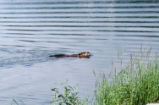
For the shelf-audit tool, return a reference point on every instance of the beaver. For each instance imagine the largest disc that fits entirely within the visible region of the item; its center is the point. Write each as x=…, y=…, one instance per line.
x=80, y=55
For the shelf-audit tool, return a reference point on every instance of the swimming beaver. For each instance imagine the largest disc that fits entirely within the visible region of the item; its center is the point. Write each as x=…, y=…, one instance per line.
x=80, y=55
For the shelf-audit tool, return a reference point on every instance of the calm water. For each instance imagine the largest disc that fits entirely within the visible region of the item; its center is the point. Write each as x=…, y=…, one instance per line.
x=32, y=30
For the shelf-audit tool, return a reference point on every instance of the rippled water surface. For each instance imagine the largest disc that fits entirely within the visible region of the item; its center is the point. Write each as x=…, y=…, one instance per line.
x=31, y=30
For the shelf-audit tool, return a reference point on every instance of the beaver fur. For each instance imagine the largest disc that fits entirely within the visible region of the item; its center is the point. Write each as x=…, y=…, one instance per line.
x=80, y=55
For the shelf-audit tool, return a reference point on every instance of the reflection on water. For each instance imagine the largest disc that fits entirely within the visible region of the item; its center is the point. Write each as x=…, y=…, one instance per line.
x=32, y=30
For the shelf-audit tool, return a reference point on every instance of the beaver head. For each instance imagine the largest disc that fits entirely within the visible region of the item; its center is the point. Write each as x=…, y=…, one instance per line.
x=84, y=54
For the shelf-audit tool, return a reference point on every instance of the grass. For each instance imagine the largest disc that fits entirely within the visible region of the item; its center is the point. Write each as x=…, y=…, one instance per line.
x=69, y=97
x=136, y=84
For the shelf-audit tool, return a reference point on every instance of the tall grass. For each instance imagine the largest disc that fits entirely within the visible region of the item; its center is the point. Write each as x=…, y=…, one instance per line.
x=136, y=84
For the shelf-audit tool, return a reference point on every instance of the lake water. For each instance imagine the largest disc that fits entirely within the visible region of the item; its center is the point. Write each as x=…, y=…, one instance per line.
x=31, y=30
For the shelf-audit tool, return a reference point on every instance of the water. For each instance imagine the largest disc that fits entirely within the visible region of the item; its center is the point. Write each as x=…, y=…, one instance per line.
x=32, y=30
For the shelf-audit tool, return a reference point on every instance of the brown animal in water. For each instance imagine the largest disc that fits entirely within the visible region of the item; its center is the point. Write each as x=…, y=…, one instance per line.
x=80, y=55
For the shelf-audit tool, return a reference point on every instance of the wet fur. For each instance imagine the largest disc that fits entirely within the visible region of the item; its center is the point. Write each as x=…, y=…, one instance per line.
x=80, y=55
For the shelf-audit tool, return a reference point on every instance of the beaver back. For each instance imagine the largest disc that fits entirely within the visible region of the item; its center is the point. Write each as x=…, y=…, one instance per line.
x=59, y=55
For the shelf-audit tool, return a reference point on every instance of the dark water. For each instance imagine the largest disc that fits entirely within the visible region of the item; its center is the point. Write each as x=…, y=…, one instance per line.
x=31, y=30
